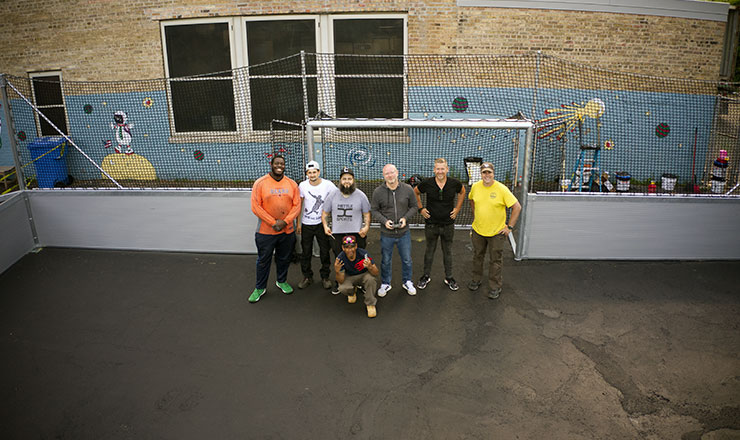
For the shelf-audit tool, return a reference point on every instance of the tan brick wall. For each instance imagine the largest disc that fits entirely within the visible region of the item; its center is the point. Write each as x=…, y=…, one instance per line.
x=116, y=40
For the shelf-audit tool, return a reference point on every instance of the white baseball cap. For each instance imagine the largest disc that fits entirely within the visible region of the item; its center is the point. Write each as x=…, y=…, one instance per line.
x=312, y=165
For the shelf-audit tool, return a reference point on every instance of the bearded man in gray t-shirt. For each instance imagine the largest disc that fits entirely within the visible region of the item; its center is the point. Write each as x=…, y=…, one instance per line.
x=349, y=212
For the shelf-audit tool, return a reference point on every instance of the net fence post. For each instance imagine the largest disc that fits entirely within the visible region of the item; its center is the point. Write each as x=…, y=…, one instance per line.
x=536, y=82
x=309, y=141
x=304, y=85
x=11, y=133
x=521, y=235
x=16, y=159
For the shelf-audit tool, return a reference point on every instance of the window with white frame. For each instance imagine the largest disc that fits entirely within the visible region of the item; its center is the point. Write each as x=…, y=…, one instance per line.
x=372, y=89
x=277, y=69
x=282, y=84
x=48, y=97
x=199, y=61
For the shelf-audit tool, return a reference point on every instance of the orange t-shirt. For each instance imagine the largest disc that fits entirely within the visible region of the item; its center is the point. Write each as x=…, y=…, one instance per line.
x=275, y=199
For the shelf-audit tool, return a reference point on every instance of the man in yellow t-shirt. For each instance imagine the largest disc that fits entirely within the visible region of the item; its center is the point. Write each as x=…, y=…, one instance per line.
x=488, y=201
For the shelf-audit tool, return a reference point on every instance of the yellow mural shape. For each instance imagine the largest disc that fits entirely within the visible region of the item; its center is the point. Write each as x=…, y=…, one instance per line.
x=566, y=117
x=128, y=167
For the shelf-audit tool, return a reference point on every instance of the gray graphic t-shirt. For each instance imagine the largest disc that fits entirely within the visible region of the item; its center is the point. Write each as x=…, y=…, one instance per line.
x=314, y=198
x=346, y=212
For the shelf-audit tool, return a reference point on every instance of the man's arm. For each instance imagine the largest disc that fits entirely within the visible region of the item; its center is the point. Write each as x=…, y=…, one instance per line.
x=373, y=269
x=460, y=200
x=299, y=218
x=257, y=208
x=338, y=272
x=295, y=209
x=422, y=210
x=366, y=226
x=516, y=209
x=325, y=221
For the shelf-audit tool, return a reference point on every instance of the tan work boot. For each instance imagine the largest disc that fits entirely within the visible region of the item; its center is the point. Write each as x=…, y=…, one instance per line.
x=352, y=298
x=371, y=312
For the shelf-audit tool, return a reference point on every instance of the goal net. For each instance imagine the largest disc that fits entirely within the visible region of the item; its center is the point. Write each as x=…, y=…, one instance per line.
x=366, y=145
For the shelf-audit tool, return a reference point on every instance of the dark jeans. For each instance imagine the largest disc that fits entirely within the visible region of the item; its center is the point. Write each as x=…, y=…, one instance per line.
x=279, y=244
x=307, y=235
x=445, y=233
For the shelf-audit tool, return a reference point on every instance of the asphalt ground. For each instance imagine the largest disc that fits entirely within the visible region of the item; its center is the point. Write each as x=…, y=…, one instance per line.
x=147, y=345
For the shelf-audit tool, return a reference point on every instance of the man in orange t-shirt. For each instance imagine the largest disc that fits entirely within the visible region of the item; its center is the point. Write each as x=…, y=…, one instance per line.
x=276, y=202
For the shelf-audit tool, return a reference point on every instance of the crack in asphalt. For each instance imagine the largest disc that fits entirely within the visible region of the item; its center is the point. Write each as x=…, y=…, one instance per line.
x=637, y=403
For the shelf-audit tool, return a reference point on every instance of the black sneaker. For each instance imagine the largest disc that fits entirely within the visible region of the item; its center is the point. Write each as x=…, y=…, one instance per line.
x=494, y=293
x=474, y=285
x=451, y=283
x=423, y=281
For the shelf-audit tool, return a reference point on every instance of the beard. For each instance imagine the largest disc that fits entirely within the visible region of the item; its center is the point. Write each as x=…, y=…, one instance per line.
x=347, y=190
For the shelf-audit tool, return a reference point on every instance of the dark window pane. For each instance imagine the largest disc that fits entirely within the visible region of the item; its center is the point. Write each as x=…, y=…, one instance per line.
x=56, y=115
x=376, y=65
x=203, y=105
x=280, y=99
x=195, y=49
x=369, y=97
x=271, y=40
x=47, y=90
x=368, y=37
x=286, y=66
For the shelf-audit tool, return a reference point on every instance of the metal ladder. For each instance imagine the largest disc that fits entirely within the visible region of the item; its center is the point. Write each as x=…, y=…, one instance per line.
x=587, y=172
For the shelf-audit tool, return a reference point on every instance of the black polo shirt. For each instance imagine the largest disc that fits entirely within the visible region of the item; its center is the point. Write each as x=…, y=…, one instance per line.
x=440, y=202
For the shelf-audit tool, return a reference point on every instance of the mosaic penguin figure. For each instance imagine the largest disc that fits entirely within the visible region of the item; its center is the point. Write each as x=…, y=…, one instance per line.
x=122, y=129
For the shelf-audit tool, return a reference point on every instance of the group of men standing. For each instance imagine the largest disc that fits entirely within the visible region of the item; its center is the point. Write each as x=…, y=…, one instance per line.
x=339, y=219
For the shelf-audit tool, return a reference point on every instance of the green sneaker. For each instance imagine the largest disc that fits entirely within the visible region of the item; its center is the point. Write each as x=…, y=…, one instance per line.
x=256, y=295
x=285, y=287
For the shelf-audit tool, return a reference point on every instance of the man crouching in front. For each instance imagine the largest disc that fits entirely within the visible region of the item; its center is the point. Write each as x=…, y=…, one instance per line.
x=354, y=268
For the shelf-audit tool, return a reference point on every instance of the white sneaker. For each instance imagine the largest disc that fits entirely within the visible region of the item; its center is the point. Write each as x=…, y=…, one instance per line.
x=409, y=286
x=384, y=288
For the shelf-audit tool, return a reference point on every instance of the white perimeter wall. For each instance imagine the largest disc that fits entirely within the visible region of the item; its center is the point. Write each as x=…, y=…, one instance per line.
x=16, y=237
x=556, y=226
x=187, y=221
x=575, y=226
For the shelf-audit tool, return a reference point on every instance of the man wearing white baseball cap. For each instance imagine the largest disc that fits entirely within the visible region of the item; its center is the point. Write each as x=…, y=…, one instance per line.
x=314, y=192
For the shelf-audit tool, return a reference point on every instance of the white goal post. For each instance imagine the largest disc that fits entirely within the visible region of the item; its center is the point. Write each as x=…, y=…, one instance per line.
x=499, y=124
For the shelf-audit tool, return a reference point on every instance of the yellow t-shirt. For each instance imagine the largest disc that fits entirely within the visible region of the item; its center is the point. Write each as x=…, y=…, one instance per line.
x=491, y=202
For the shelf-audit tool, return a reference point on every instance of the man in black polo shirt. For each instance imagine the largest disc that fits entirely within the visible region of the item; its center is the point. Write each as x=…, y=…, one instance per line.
x=440, y=214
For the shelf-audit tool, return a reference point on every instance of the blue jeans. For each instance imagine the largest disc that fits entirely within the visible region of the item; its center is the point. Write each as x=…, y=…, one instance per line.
x=281, y=245
x=404, y=250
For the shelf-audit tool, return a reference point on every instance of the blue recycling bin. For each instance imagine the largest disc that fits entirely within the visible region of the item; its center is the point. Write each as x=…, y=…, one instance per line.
x=50, y=161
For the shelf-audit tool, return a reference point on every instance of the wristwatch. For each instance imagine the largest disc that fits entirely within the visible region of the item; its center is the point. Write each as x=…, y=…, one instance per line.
x=510, y=227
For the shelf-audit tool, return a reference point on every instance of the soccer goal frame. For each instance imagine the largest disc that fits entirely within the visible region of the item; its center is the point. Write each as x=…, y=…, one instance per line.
x=395, y=124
